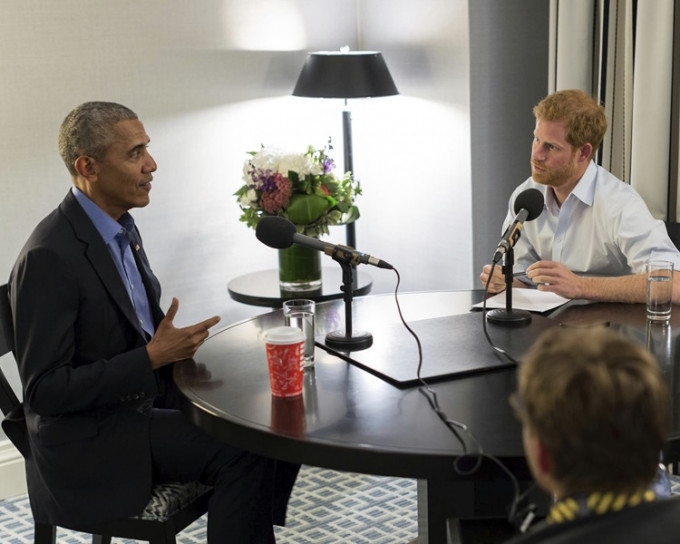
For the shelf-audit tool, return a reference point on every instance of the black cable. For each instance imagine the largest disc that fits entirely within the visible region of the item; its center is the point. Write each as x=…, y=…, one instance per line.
x=456, y=427
x=486, y=332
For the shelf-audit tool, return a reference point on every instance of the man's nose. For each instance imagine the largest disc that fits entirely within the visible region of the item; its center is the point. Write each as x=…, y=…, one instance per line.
x=150, y=165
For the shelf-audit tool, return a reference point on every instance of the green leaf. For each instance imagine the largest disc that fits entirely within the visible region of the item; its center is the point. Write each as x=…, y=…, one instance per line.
x=331, y=184
x=294, y=179
x=303, y=209
x=351, y=215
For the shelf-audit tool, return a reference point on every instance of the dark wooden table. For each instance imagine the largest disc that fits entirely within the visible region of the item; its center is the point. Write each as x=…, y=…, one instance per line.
x=353, y=420
x=262, y=288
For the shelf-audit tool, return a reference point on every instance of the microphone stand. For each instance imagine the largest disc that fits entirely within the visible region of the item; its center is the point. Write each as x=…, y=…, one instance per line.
x=508, y=317
x=348, y=341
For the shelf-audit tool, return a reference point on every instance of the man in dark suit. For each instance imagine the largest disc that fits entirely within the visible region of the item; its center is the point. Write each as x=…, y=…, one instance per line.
x=95, y=352
x=595, y=413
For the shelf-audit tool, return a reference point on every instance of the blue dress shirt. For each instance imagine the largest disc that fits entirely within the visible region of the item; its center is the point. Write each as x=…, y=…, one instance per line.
x=603, y=228
x=116, y=235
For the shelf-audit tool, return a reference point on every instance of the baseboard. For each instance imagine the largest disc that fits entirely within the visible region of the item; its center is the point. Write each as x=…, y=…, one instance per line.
x=12, y=473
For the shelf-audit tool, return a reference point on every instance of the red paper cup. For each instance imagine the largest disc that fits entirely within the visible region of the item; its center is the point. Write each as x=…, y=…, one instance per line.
x=285, y=357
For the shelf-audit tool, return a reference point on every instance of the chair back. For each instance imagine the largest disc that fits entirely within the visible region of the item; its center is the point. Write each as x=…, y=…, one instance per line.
x=8, y=400
x=6, y=329
x=673, y=230
x=173, y=506
x=14, y=423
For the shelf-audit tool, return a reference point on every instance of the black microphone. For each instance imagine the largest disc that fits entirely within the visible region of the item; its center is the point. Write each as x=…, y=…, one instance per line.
x=528, y=206
x=279, y=233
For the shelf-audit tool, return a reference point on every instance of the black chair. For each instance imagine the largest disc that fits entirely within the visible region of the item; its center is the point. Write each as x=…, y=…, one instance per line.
x=172, y=507
x=673, y=230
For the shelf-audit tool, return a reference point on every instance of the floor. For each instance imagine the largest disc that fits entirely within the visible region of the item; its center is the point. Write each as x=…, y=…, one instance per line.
x=326, y=507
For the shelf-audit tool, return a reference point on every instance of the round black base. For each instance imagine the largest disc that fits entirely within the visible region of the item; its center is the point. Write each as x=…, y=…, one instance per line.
x=512, y=318
x=358, y=341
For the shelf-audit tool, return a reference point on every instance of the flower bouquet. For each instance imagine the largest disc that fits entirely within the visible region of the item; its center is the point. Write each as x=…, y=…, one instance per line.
x=302, y=188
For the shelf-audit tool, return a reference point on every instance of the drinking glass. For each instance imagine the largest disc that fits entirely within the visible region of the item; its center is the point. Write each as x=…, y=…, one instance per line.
x=300, y=312
x=659, y=290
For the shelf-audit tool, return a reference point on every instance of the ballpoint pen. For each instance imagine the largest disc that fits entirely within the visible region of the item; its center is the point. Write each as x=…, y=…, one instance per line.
x=522, y=276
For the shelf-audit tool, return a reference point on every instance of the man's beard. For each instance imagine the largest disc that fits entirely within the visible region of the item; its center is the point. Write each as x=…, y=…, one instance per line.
x=554, y=178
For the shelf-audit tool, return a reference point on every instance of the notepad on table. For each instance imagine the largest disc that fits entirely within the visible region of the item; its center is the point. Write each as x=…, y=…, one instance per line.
x=531, y=300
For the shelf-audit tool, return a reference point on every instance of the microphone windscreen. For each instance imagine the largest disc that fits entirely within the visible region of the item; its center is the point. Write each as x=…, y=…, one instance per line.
x=276, y=232
x=532, y=201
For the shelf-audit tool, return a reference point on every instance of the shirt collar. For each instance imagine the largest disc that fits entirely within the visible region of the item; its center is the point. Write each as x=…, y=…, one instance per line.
x=585, y=188
x=570, y=508
x=103, y=222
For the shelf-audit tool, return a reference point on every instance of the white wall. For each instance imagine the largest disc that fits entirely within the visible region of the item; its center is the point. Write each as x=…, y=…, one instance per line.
x=211, y=79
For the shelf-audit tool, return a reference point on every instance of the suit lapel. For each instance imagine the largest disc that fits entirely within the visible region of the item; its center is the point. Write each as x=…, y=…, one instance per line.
x=100, y=258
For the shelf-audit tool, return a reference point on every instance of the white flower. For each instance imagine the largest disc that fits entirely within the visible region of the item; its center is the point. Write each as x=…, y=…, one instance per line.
x=267, y=158
x=299, y=163
x=276, y=160
x=249, y=198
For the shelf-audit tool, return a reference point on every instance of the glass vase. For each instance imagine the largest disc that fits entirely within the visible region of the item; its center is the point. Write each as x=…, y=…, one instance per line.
x=299, y=269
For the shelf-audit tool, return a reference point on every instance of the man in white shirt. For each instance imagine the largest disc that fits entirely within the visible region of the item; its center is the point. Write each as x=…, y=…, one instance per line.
x=595, y=234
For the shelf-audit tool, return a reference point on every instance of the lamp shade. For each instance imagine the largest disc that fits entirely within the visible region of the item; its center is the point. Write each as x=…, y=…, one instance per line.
x=339, y=74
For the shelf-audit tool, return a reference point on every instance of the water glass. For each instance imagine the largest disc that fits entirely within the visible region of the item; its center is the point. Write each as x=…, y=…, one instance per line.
x=659, y=290
x=300, y=312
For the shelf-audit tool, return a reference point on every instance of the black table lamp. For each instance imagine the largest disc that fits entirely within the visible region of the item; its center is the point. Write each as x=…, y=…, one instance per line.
x=345, y=74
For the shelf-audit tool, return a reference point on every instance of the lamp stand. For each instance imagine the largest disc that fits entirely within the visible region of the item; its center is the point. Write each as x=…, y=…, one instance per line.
x=349, y=165
x=350, y=231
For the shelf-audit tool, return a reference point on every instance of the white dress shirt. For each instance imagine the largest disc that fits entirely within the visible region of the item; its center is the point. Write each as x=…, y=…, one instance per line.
x=603, y=228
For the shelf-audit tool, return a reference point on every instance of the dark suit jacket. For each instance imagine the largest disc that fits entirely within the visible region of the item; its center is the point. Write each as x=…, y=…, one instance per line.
x=656, y=522
x=87, y=380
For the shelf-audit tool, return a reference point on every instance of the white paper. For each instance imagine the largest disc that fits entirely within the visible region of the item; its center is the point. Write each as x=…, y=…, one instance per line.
x=531, y=300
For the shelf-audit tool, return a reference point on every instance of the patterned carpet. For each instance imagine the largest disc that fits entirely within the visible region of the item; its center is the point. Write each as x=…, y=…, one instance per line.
x=326, y=507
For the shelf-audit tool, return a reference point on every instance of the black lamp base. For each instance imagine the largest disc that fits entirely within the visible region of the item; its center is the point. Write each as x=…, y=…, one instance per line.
x=511, y=318
x=358, y=341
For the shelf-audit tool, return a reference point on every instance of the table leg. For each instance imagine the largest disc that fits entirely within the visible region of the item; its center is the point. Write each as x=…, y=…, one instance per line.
x=439, y=506
x=468, y=511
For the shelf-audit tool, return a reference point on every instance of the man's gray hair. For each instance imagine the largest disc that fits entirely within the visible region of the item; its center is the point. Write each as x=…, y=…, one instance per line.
x=87, y=131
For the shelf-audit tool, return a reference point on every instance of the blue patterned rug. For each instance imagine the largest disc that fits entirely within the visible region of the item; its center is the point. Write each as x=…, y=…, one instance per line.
x=326, y=507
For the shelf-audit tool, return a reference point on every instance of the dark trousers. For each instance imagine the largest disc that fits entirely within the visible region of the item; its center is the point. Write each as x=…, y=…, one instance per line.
x=241, y=509
x=284, y=480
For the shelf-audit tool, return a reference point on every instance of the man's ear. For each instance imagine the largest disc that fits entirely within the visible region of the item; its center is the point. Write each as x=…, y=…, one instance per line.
x=585, y=152
x=543, y=458
x=540, y=459
x=85, y=166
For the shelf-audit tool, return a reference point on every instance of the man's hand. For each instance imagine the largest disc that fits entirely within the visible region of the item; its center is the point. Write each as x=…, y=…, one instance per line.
x=497, y=283
x=171, y=344
x=556, y=278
